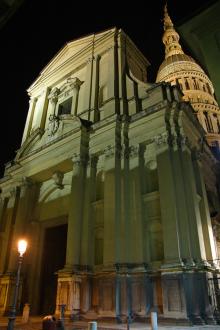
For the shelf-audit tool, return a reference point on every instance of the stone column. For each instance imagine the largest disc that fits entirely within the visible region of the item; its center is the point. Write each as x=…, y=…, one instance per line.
x=18, y=207
x=96, y=116
x=75, y=213
x=168, y=202
x=3, y=207
x=192, y=205
x=23, y=212
x=39, y=117
x=11, y=215
x=68, y=290
x=112, y=206
x=53, y=98
x=87, y=243
x=75, y=84
x=44, y=107
x=88, y=86
x=181, y=202
x=135, y=239
x=28, y=125
x=113, y=106
x=204, y=211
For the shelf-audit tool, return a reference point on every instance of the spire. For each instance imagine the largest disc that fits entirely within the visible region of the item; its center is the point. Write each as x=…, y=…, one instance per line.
x=170, y=36
x=167, y=20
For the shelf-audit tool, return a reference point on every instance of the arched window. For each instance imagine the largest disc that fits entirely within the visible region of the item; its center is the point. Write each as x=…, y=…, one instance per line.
x=218, y=124
x=187, y=84
x=208, y=122
x=208, y=88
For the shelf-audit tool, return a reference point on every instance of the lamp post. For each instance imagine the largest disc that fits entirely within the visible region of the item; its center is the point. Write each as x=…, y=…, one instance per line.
x=22, y=245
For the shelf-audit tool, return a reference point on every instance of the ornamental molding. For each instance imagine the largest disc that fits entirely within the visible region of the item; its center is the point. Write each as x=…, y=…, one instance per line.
x=109, y=151
x=34, y=136
x=161, y=139
x=54, y=122
x=53, y=95
x=73, y=83
x=58, y=179
x=134, y=151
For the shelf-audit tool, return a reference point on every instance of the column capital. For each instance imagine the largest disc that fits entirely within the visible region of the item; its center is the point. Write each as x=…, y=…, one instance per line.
x=74, y=83
x=79, y=159
x=12, y=192
x=33, y=100
x=113, y=150
x=53, y=95
x=183, y=141
x=161, y=139
x=26, y=182
x=90, y=59
x=131, y=151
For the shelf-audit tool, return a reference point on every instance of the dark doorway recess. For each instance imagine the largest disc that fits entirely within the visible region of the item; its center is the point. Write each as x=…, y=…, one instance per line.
x=53, y=259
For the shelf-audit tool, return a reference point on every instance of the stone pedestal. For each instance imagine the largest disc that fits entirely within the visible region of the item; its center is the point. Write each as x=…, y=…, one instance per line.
x=185, y=296
x=7, y=289
x=68, y=293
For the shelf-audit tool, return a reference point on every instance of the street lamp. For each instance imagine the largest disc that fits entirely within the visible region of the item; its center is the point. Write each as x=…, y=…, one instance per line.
x=22, y=245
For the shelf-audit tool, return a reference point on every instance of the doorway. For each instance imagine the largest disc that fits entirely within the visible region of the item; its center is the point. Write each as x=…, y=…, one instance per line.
x=53, y=259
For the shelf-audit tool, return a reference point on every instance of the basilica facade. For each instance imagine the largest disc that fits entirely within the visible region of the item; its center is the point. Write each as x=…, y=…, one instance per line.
x=112, y=188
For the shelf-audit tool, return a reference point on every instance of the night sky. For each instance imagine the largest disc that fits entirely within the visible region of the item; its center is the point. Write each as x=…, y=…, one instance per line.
x=40, y=28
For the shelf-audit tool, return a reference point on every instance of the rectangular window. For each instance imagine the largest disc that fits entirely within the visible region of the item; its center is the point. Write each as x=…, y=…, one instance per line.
x=65, y=107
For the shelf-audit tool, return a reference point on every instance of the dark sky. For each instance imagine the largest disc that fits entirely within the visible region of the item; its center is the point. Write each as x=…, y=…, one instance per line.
x=39, y=28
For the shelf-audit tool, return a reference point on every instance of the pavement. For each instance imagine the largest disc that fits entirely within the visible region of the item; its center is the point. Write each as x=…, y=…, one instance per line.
x=35, y=323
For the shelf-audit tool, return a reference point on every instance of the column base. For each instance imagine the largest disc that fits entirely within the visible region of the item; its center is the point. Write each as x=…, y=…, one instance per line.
x=68, y=292
x=7, y=287
x=172, y=264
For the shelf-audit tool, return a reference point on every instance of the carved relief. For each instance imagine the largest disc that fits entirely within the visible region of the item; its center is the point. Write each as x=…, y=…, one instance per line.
x=54, y=122
x=58, y=179
x=53, y=96
x=161, y=139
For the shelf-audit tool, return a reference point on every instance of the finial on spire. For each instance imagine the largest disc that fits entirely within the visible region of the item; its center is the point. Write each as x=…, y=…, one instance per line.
x=170, y=36
x=167, y=20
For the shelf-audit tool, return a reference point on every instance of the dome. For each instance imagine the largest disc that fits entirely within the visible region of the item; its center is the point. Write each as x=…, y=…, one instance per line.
x=177, y=63
x=181, y=69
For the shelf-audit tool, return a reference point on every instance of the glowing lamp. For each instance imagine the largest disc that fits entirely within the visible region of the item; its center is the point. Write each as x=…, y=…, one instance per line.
x=22, y=246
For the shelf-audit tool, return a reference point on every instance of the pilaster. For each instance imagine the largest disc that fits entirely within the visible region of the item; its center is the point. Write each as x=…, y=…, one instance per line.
x=88, y=85
x=39, y=117
x=24, y=208
x=75, y=212
x=168, y=202
x=86, y=256
x=204, y=210
x=28, y=125
x=113, y=105
x=112, y=205
x=134, y=244
x=192, y=205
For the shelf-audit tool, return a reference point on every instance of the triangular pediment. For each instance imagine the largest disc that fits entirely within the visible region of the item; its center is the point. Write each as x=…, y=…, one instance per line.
x=69, y=50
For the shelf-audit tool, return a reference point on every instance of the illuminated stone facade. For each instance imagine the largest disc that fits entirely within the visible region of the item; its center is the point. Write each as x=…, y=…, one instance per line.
x=179, y=68
x=109, y=187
